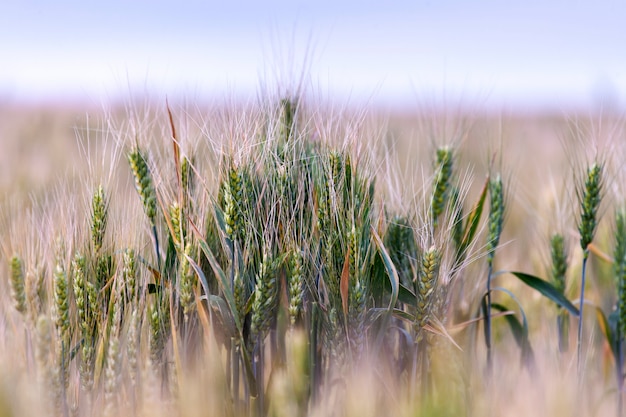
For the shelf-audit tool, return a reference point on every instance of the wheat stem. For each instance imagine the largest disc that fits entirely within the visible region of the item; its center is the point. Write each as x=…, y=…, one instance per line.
x=590, y=202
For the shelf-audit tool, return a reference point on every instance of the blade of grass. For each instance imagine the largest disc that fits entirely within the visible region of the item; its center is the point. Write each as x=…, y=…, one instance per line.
x=394, y=280
x=609, y=329
x=230, y=313
x=547, y=290
x=219, y=272
x=520, y=337
x=473, y=220
x=520, y=334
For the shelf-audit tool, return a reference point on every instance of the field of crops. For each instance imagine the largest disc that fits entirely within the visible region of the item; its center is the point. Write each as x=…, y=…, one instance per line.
x=292, y=257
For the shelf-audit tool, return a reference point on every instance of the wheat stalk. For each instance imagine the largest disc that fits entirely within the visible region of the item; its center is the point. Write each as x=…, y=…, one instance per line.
x=85, y=297
x=589, y=199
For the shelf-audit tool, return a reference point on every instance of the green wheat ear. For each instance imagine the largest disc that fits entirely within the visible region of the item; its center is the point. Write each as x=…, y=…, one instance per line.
x=99, y=216
x=178, y=227
x=559, y=262
x=159, y=322
x=187, y=283
x=61, y=298
x=496, y=216
x=265, y=296
x=233, y=200
x=186, y=175
x=129, y=274
x=589, y=202
x=426, y=286
x=288, y=110
x=145, y=189
x=441, y=189
x=619, y=255
x=143, y=183
x=62, y=313
x=296, y=285
x=558, y=254
x=17, y=284
x=84, y=294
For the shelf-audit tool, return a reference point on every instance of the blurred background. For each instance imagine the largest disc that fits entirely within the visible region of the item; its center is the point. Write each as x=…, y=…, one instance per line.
x=524, y=56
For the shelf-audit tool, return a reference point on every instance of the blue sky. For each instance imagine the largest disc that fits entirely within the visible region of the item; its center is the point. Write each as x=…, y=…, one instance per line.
x=533, y=53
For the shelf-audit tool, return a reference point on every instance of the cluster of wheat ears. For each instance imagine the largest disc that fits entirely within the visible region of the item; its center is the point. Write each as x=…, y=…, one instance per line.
x=269, y=275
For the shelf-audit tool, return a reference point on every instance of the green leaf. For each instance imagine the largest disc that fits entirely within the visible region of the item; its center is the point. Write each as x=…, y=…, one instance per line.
x=171, y=258
x=228, y=313
x=407, y=296
x=379, y=284
x=525, y=346
x=486, y=329
x=520, y=333
x=547, y=290
x=373, y=314
x=394, y=280
x=219, y=218
x=609, y=329
x=403, y=315
x=218, y=305
x=222, y=279
x=473, y=220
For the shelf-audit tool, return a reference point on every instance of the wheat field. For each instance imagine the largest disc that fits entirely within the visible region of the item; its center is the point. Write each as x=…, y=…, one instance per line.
x=291, y=257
